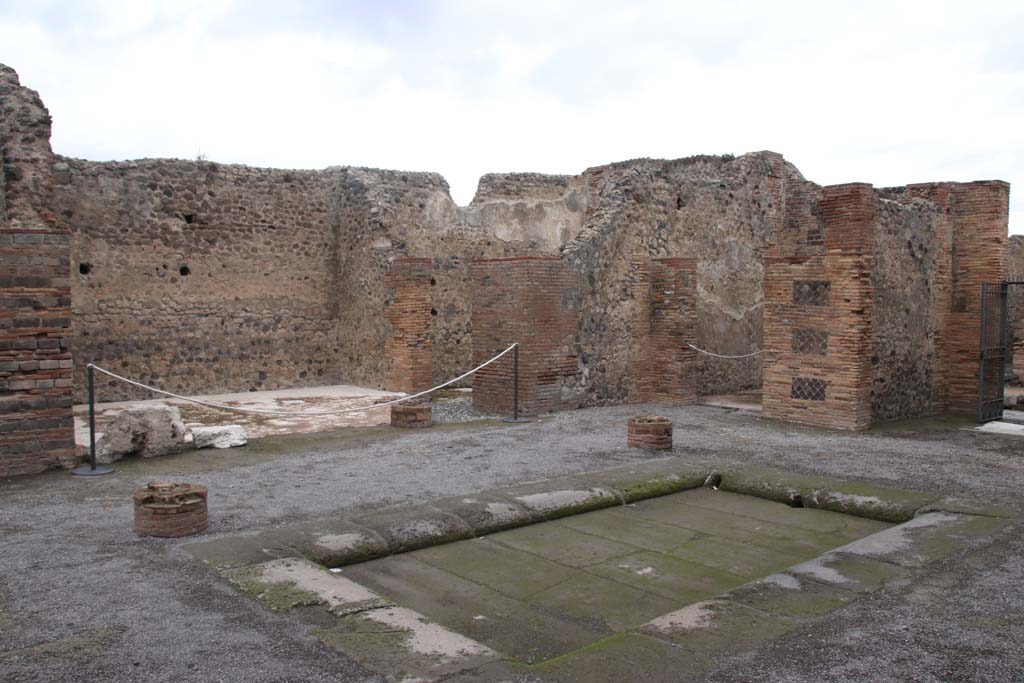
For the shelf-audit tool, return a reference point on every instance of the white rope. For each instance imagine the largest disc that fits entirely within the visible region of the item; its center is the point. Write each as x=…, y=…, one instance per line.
x=224, y=406
x=718, y=355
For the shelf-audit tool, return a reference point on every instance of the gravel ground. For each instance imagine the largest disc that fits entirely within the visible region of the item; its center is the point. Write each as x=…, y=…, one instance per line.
x=83, y=599
x=454, y=410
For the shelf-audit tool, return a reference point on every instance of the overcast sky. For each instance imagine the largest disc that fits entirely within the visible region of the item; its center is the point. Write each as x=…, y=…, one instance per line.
x=887, y=93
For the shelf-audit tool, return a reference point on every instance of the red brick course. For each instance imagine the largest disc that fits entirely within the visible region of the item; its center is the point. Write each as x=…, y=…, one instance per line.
x=801, y=384
x=170, y=510
x=409, y=349
x=411, y=415
x=664, y=366
x=36, y=425
x=649, y=431
x=533, y=301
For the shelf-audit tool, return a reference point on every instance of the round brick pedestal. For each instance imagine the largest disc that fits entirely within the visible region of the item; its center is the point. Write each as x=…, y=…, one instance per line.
x=170, y=510
x=649, y=431
x=410, y=415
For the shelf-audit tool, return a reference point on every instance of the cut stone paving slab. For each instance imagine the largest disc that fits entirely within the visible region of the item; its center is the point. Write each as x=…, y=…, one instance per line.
x=803, y=518
x=623, y=657
x=655, y=590
x=603, y=604
x=738, y=558
x=704, y=629
x=672, y=578
x=510, y=626
x=509, y=571
x=674, y=511
x=404, y=646
x=849, y=572
x=649, y=536
x=925, y=538
x=563, y=544
x=786, y=595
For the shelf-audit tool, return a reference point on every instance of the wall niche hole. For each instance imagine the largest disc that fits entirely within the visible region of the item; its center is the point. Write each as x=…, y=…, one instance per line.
x=433, y=282
x=189, y=217
x=84, y=268
x=184, y=270
x=433, y=311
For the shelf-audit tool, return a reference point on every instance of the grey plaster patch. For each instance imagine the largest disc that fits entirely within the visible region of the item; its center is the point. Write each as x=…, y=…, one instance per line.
x=695, y=616
x=427, y=638
x=782, y=581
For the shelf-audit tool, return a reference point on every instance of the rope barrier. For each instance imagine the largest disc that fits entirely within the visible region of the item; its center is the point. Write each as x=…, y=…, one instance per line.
x=257, y=411
x=718, y=355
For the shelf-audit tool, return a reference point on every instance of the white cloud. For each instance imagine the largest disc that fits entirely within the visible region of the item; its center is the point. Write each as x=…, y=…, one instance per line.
x=887, y=93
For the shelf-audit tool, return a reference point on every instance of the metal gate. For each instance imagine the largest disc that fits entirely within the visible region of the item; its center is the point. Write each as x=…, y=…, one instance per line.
x=994, y=342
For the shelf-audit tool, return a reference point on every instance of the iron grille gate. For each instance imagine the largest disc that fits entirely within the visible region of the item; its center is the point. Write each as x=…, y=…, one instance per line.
x=994, y=342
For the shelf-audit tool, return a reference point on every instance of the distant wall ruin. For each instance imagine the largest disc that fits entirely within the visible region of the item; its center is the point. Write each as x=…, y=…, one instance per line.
x=202, y=277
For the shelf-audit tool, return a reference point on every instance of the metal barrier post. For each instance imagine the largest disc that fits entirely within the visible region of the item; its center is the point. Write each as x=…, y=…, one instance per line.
x=92, y=470
x=515, y=388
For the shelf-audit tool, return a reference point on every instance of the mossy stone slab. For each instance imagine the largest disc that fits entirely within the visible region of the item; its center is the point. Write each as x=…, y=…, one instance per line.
x=509, y=626
x=741, y=559
x=403, y=646
x=674, y=510
x=926, y=538
x=648, y=536
x=790, y=596
x=563, y=544
x=624, y=657
x=849, y=572
x=705, y=630
x=511, y=572
x=678, y=581
x=601, y=604
x=812, y=519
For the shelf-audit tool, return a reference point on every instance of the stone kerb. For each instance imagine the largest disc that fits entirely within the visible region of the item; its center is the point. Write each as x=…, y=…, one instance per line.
x=649, y=431
x=170, y=510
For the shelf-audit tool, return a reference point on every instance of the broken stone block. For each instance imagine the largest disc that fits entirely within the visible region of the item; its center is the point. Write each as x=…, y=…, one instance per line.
x=221, y=436
x=146, y=431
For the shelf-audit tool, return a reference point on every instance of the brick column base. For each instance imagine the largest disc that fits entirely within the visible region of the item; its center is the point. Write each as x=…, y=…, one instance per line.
x=170, y=510
x=649, y=431
x=410, y=416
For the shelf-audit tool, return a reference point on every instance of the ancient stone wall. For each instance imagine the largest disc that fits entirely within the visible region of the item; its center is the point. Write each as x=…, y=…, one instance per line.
x=36, y=426
x=201, y=277
x=535, y=301
x=1015, y=270
x=911, y=286
x=712, y=209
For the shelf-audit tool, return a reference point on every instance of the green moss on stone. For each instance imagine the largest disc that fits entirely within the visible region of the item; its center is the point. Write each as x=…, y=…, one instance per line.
x=279, y=597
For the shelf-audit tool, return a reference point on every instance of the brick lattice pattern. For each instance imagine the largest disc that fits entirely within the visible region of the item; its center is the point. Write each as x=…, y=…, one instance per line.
x=812, y=342
x=830, y=293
